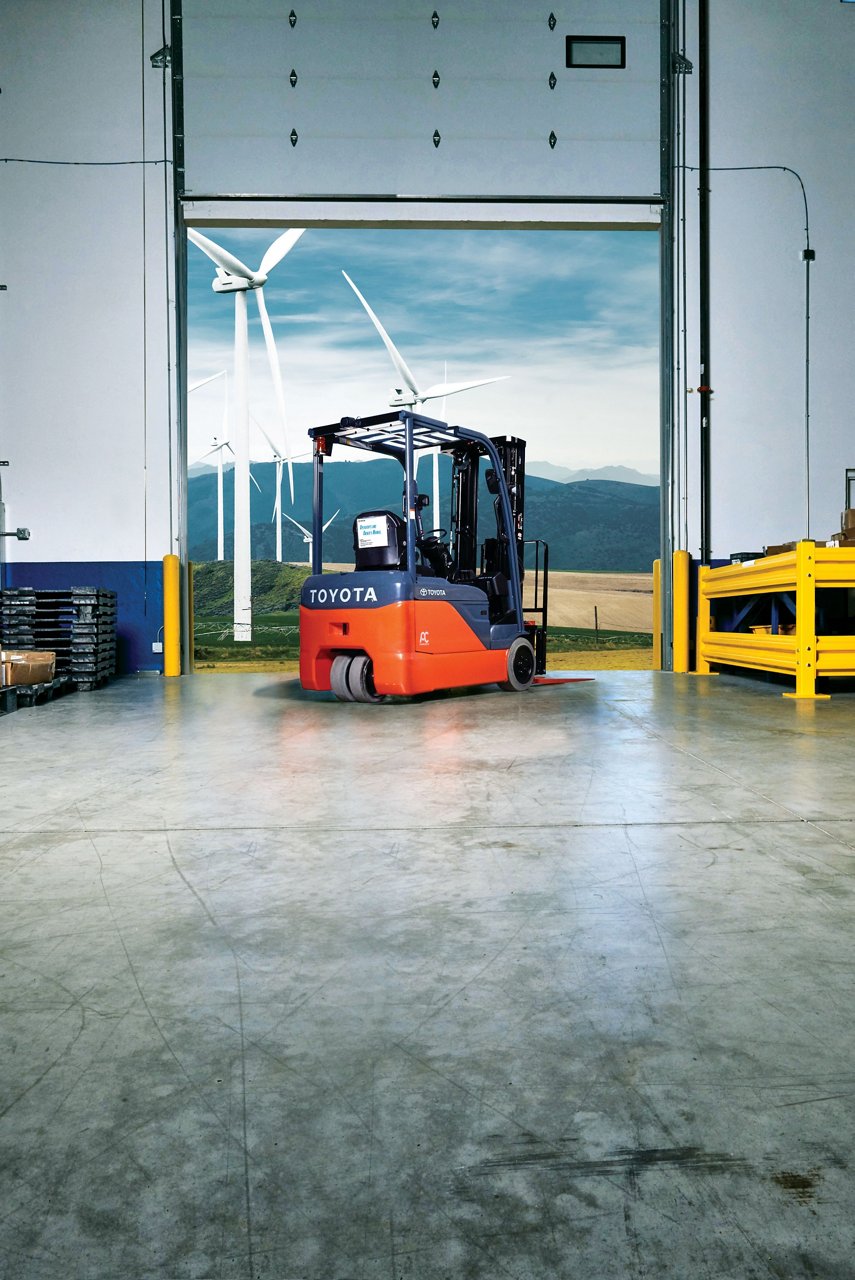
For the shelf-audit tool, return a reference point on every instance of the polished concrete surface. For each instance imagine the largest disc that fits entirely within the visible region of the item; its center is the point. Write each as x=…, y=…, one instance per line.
x=532, y=986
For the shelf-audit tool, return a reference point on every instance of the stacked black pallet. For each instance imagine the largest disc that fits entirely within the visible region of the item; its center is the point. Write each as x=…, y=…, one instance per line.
x=18, y=618
x=79, y=625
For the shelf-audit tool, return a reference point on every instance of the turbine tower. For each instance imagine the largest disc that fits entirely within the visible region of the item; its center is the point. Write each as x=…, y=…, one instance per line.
x=218, y=445
x=280, y=459
x=233, y=276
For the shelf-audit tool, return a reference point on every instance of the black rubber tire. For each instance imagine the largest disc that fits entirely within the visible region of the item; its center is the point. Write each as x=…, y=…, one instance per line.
x=360, y=680
x=521, y=666
x=338, y=677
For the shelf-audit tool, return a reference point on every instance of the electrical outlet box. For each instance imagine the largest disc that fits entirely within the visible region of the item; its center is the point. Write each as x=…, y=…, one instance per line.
x=157, y=646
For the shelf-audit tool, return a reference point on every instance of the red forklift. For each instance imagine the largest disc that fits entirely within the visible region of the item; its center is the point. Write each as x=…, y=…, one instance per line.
x=425, y=608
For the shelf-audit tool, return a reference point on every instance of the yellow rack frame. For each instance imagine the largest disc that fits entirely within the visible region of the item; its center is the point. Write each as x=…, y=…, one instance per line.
x=804, y=655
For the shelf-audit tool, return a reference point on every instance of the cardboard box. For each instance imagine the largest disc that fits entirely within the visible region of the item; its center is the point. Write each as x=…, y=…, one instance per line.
x=847, y=520
x=780, y=548
x=27, y=666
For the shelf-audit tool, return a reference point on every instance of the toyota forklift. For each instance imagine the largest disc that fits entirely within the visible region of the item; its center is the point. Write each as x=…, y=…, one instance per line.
x=425, y=608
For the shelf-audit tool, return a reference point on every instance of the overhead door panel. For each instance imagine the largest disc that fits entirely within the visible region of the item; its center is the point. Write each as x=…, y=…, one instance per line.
x=452, y=98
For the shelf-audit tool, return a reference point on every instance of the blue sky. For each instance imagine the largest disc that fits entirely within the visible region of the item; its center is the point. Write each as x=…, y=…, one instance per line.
x=572, y=317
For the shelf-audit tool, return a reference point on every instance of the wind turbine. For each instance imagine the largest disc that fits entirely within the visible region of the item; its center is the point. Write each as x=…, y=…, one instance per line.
x=233, y=276
x=279, y=459
x=307, y=536
x=409, y=396
x=218, y=447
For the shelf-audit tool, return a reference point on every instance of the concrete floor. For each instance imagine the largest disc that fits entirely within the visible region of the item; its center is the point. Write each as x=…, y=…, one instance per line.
x=543, y=986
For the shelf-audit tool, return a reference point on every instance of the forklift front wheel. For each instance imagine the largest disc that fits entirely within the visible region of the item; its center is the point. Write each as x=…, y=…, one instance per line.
x=521, y=666
x=338, y=677
x=360, y=680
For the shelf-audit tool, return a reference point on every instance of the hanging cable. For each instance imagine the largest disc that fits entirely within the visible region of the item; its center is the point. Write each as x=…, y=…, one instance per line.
x=81, y=164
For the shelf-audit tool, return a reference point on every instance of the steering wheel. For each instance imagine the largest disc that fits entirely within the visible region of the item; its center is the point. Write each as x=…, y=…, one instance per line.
x=434, y=535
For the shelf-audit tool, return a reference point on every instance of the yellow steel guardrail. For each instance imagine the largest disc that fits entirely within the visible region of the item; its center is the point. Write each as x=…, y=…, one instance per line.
x=803, y=654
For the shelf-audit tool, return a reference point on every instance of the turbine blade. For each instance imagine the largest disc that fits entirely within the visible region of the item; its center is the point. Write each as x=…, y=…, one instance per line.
x=451, y=388
x=254, y=481
x=397, y=359
x=277, y=501
x=281, y=245
x=297, y=523
x=276, y=374
x=204, y=382
x=329, y=522
x=206, y=455
x=277, y=453
x=221, y=256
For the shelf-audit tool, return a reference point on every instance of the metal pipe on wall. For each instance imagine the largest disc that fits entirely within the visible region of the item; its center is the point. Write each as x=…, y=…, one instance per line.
x=666, y=318
x=705, y=388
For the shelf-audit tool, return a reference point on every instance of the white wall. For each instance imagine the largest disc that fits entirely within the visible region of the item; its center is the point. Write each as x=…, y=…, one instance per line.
x=84, y=322
x=781, y=89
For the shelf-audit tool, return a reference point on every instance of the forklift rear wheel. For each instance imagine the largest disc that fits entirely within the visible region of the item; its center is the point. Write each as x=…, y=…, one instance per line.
x=521, y=665
x=360, y=680
x=338, y=677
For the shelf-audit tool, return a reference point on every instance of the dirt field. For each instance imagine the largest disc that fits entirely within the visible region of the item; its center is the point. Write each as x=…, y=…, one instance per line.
x=624, y=601
x=600, y=660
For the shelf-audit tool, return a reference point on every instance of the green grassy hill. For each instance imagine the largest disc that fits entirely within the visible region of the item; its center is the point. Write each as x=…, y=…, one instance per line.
x=604, y=525
x=275, y=587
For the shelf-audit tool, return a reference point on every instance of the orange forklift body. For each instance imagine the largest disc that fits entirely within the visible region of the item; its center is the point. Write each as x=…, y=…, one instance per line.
x=415, y=646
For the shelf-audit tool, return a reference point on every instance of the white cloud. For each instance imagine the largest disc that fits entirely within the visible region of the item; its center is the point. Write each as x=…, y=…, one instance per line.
x=570, y=318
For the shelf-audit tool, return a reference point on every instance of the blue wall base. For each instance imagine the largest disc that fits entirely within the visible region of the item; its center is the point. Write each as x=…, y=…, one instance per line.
x=138, y=585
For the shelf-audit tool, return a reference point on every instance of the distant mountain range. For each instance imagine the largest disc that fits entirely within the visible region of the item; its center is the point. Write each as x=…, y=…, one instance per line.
x=590, y=524
x=563, y=475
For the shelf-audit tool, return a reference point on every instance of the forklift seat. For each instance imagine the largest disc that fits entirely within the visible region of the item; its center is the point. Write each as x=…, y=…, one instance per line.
x=379, y=541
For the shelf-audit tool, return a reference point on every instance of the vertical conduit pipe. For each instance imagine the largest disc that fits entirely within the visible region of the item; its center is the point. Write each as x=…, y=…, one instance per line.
x=171, y=616
x=705, y=389
x=667, y=23
x=680, y=606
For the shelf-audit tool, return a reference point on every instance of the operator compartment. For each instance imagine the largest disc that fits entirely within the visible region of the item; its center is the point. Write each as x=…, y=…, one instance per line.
x=379, y=541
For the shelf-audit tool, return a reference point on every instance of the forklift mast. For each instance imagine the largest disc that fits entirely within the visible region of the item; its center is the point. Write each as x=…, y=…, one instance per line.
x=494, y=555
x=512, y=453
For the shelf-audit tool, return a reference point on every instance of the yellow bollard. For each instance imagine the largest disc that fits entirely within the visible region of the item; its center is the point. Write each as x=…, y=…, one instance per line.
x=657, y=615
x=171, y=616
x=806, y=624
x=680, y=611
